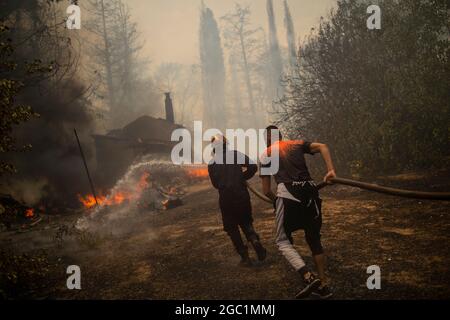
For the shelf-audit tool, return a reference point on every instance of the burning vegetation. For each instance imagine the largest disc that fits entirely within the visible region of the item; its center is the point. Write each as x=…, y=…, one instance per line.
x=197, y=172
x=14, y=213
x=29, y=213
x=132, y=193
x=148, y=186
x=118, y=197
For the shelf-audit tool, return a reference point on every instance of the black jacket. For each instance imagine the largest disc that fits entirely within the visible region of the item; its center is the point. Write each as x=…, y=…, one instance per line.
x=230, y=179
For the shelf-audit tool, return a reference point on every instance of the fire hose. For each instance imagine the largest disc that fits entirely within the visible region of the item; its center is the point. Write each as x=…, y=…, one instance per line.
x=372, y=187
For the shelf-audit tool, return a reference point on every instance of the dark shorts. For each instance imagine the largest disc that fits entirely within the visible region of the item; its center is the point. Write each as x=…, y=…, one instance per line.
x=305, y=216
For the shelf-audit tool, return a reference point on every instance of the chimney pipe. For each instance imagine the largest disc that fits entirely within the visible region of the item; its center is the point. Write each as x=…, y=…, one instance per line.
x=169, y=108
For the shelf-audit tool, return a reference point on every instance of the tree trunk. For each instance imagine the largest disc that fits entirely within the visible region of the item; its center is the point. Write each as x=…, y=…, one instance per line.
x=247, y=75
x=109, y=76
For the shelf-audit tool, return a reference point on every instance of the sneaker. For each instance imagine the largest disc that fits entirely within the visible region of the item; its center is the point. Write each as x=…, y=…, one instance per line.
x=261, y=252
x=311, y=284
x=323, y=292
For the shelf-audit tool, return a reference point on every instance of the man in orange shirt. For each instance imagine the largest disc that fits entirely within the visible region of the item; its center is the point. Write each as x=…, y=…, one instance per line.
x=297, y=203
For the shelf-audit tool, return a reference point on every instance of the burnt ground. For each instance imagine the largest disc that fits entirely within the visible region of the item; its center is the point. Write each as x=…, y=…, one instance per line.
x=183, y=253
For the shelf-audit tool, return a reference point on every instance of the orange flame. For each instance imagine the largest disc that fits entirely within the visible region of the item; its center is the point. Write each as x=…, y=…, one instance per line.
x=88, y=201
x=143, y=183
x=197, y=173
x=118, y=197
x=29, y=213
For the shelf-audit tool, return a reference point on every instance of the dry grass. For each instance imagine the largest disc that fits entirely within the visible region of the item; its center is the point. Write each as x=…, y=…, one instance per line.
x=184, y=254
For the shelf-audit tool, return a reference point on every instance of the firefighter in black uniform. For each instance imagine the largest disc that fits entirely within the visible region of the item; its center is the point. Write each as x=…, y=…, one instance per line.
x=234, y=199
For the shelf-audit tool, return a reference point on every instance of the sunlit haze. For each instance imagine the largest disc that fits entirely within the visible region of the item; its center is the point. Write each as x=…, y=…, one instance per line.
x=170, y=27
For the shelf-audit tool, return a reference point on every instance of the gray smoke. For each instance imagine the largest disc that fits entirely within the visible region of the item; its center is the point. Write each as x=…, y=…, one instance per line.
x=54, y=163
x=52, y=171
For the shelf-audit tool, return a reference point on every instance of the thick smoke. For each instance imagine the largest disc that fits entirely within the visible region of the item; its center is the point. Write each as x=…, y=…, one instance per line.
x=52, y=170
x=53, y=164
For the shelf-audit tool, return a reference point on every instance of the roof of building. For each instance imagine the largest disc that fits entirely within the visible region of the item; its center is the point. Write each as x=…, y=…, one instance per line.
x=145, y=128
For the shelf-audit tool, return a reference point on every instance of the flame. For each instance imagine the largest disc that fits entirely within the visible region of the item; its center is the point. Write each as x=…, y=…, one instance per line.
x=88, y=201
x=29, y=213
x=118, y=197
x=197, y=173
x=143, y=183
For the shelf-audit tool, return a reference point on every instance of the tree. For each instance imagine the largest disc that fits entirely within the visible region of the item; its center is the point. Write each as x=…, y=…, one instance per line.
x=128, y=47
x=184, y=82
x=242, y=41
x=166, y=76
x=45, y=59
x=290, y=34
x=274, y=49
x=103, y=60
x=378, y=97
x=12, y=114
x=188, y=93
x=250, y=63
x=235, y=89
x=116, y=65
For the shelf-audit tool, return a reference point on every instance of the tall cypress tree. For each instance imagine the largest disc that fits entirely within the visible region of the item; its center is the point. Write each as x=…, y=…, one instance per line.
x=213, y=70
x=274, y=47
x=290, y=33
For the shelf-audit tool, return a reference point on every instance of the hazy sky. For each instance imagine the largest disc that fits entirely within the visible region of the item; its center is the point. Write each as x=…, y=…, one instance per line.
x=170, y=27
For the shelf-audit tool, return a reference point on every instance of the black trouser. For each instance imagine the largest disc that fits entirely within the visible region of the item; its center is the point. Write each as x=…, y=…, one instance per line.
x=304, y=215
x=235, y=236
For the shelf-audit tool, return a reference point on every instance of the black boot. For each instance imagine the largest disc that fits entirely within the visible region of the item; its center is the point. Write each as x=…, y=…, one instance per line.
x=245, y=258
x=253, y=238
x=261, y=252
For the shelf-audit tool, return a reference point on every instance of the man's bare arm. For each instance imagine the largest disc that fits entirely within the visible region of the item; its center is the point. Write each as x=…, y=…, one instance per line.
x=267, y=190
x=325, y=152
